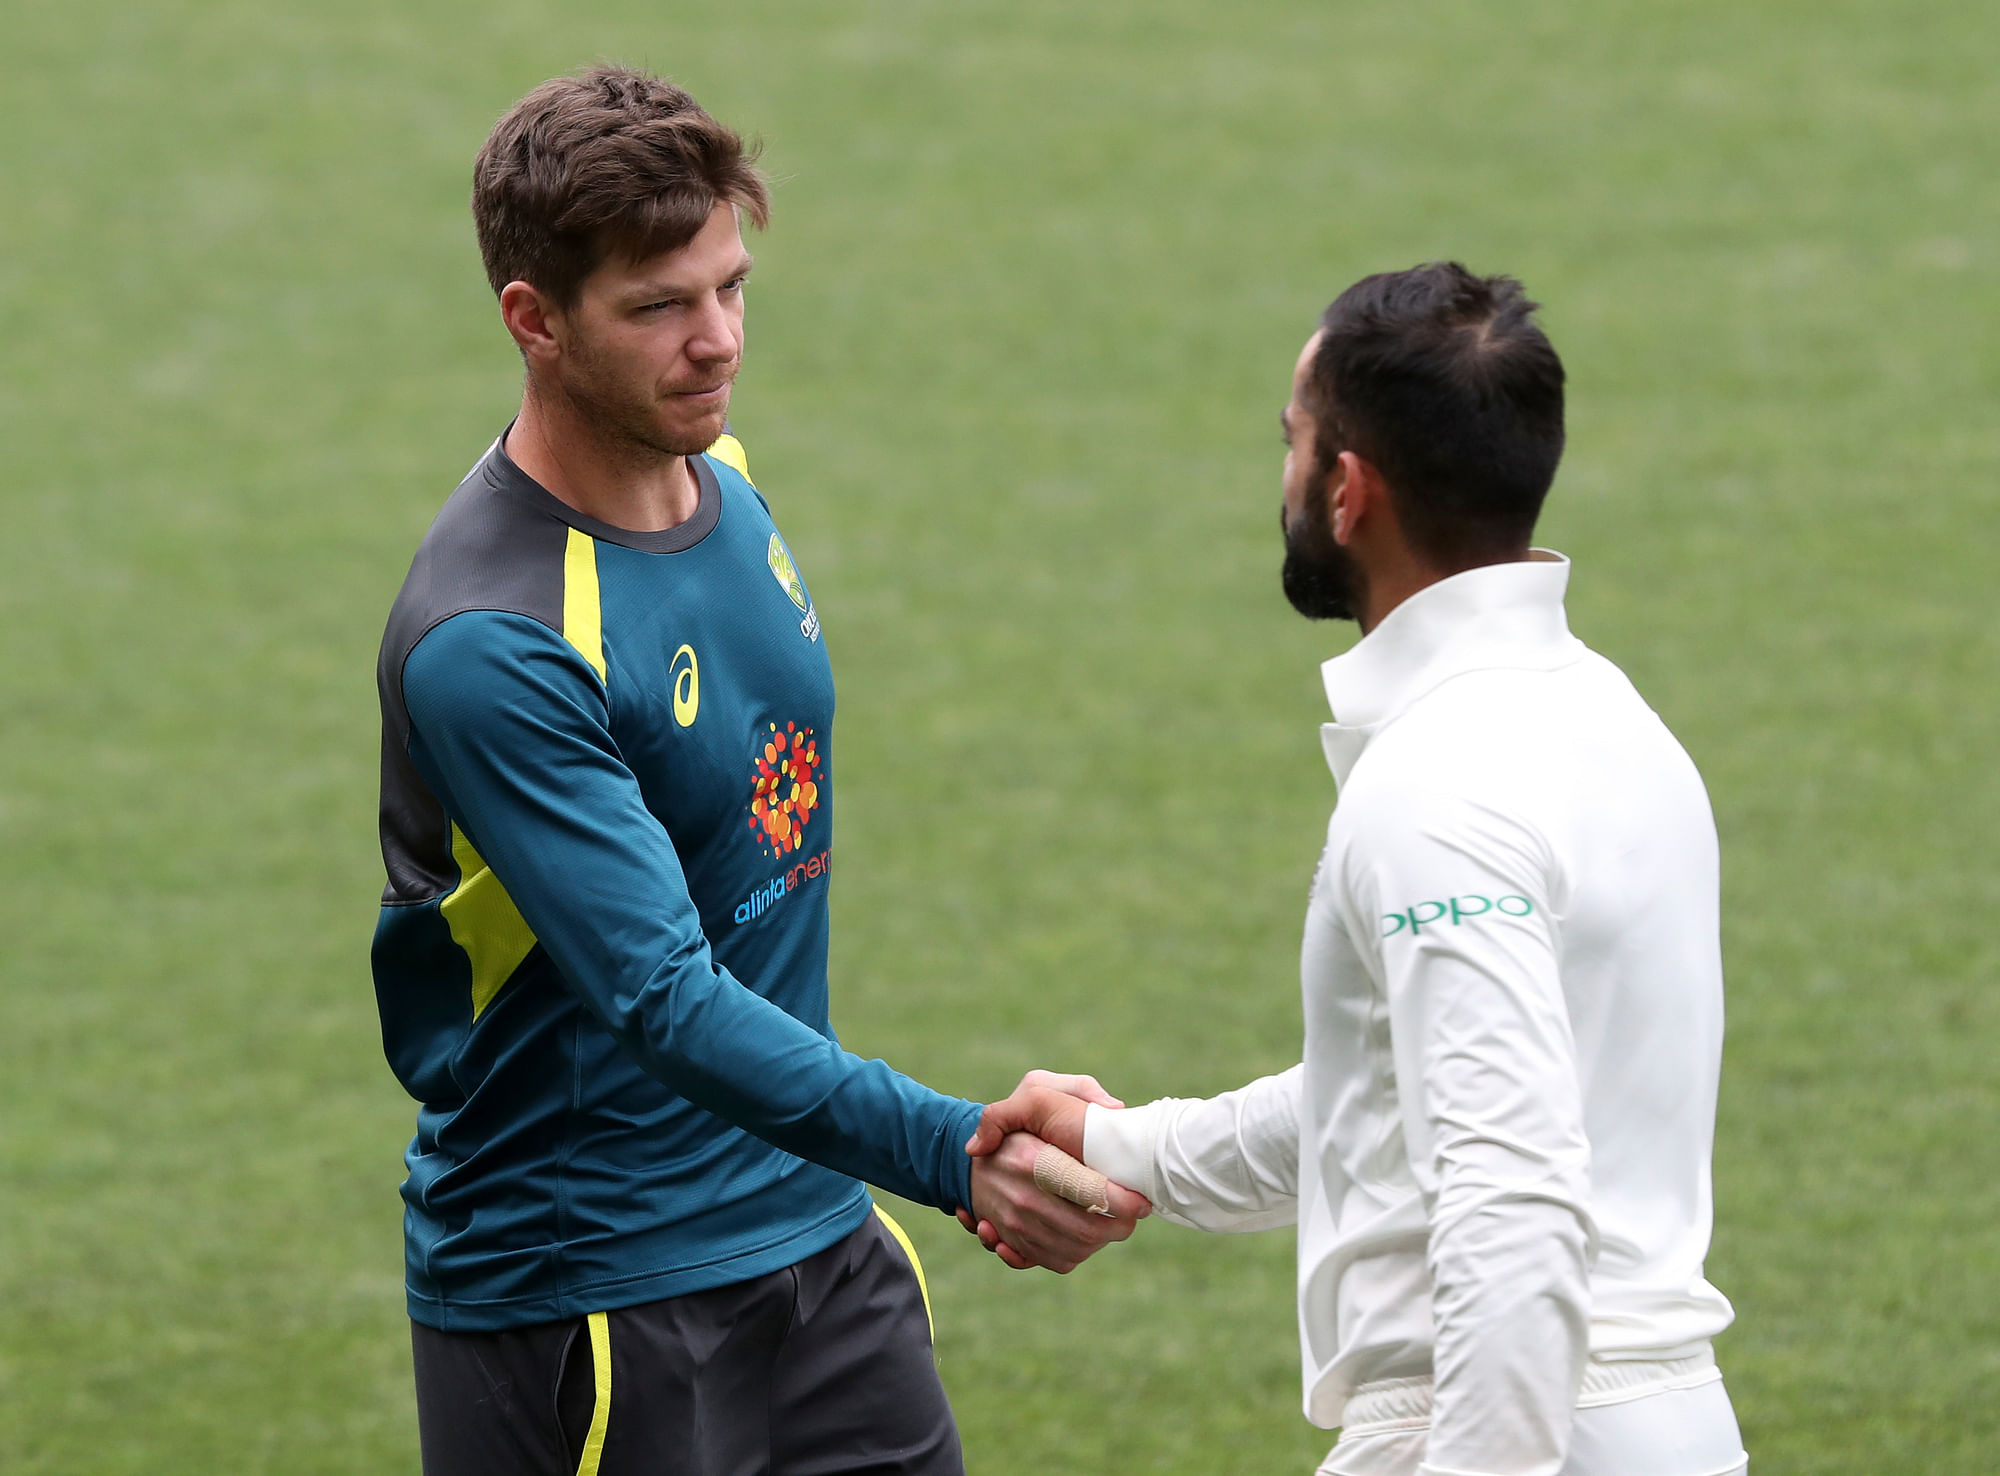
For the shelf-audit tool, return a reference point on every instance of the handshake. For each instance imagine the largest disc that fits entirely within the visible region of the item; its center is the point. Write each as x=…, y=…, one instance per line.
x=1014, y=1213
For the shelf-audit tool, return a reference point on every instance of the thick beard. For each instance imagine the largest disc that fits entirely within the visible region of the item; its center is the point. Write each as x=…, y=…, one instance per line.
x=1320, y=577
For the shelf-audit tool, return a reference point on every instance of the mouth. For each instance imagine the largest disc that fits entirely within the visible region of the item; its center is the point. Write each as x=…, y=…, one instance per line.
x=714, y=395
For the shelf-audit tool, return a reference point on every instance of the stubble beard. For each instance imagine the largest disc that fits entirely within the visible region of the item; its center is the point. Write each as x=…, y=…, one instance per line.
x=626, y=416
x=1320, y=577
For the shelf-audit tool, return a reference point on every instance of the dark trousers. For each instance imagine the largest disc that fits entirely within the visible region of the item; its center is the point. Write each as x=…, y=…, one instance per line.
x=824, y=1367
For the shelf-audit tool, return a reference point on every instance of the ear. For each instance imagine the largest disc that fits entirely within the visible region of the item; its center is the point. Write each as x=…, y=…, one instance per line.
x=1347, y=498
x=1359, y=497
x=533, y=321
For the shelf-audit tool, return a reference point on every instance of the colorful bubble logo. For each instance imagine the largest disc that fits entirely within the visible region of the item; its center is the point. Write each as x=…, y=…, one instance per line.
x=786, y=792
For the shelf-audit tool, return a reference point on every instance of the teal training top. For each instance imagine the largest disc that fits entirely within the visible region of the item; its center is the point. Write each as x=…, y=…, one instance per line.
x=607, y=818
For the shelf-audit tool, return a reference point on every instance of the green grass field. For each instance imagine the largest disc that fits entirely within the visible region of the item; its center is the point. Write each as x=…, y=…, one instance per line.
x=1018, y=339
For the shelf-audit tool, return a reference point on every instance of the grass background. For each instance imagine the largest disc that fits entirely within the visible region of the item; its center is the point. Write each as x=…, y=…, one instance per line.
x=1018, y=339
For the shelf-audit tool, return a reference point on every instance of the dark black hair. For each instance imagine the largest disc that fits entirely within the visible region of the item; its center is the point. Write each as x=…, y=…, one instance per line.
x=1445, y=383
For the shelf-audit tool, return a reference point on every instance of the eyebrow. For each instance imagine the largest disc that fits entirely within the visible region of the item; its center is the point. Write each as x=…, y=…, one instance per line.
x=654, y=291
x=1285, y=420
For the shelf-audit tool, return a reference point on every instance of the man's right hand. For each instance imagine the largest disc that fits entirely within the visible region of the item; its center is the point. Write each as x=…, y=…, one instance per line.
x=1030, y=1228
x=1043, y=1104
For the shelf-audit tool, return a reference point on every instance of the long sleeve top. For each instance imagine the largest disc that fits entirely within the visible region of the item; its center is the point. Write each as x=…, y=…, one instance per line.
x=607, y=819
x=1497, y=1146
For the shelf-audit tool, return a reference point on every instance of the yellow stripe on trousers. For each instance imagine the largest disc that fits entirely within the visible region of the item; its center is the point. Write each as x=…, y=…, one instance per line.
x=915, y=1264
x=600, y=1414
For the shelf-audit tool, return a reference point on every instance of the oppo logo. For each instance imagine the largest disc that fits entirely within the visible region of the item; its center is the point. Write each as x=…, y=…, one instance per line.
x=1453, y=910
x=687, y=686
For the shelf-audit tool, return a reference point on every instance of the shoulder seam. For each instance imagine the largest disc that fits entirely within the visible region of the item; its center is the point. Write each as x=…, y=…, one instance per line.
x=470, y=610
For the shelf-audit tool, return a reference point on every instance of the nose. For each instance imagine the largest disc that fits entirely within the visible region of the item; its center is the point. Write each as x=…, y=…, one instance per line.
x=713, y=339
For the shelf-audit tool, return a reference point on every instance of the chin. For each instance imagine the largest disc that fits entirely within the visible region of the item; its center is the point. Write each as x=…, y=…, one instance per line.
x=692, y=437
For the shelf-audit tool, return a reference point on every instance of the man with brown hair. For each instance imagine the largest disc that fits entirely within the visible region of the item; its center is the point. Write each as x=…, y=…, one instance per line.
x=637, y=1229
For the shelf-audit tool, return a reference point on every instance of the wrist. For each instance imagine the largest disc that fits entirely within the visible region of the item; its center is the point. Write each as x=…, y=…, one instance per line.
x=955, y=1172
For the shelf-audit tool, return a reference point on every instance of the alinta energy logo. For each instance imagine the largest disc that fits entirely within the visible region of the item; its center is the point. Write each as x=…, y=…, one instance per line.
x=783, y=799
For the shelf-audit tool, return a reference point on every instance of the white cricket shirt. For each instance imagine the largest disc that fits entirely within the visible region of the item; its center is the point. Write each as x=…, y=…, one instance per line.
x=1497, y=1147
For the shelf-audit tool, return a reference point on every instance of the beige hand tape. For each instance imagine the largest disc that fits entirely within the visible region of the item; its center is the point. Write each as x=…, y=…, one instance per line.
x=1058, y=1174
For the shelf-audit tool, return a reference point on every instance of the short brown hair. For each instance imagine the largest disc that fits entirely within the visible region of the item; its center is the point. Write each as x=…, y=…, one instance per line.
x=609, y=161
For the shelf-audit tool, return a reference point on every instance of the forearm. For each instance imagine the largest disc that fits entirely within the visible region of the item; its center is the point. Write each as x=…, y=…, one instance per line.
x=1225, y=1163
x=727, y=1049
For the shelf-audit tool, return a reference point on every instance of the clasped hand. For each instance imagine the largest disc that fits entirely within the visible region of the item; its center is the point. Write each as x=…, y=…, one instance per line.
x=1011, y=1216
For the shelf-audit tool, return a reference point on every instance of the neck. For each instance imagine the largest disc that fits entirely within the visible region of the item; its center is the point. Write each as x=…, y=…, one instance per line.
x=1387, y=587
x=616, y=482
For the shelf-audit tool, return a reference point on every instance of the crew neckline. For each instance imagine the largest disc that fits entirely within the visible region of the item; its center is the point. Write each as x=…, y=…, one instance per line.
x=504, y=472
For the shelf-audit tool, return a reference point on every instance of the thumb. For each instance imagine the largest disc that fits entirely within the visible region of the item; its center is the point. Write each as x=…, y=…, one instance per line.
x=1125, y=1204
x=1083, y=1087
x=992, y=1128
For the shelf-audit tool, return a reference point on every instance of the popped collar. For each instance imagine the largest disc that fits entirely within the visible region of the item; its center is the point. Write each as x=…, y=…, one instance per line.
x=1498, y=615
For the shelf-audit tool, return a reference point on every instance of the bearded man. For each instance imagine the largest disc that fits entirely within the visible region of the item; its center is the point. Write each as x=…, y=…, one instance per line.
x=638, y=1237
x=1496, y=1148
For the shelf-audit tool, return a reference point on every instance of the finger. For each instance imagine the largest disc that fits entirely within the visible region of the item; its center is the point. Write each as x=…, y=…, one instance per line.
x=1125, y=1204
x=1038, y=1243
x=1027, y=1261
x=995, y=1122
x=965, y=1219
x=1039, y=1219
x=1056, y=1173
x=1080, y=1086
x=1052, y=1230
x=988, y=1236
x=1034, y=1225
x=1115, y=1230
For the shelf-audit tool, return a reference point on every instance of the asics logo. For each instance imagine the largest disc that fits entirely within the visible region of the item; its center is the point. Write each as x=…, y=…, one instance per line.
x=687, y=686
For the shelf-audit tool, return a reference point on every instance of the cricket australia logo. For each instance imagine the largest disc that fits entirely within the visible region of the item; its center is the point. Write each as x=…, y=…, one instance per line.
x=787, y=574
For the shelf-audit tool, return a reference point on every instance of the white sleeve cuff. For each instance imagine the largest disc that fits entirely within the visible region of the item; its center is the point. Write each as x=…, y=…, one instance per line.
x=1226, y=1164
x=1119, y=1143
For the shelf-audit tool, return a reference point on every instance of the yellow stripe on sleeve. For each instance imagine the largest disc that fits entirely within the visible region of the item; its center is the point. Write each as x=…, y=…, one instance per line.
x=915, y=1265
x=600, y=1414
x=729, y=451
x=485, y=923
x=583, y=609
